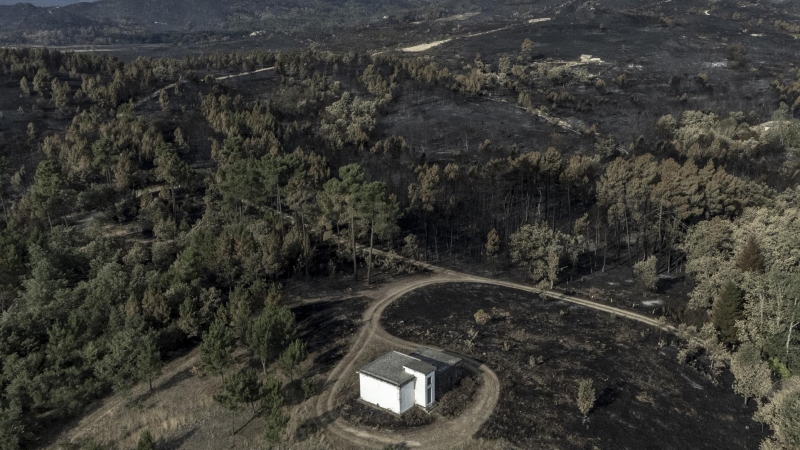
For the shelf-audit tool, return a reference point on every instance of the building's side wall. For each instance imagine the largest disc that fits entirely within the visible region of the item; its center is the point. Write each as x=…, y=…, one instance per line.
x=407, y=396
x=379, y=393
x=446, y=380
x=419, y=392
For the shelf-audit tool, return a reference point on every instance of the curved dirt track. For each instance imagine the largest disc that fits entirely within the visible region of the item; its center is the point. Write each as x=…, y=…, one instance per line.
x=440, y=435
x=437, y=436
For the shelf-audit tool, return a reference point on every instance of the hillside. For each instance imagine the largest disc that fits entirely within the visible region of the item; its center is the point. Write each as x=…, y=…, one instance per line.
x=212, y=213
x=43, y=3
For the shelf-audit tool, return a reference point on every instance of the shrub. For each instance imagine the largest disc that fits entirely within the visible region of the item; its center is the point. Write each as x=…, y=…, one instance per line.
x=481, y=317
x=146, y=441
x=737, y=56
x=310, y=387
x=586, y=397
x=647, y=273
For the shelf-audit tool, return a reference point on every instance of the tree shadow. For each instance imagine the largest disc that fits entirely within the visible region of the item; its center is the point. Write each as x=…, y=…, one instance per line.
x=178, y=441
x=293, y=392
x=667, y=281
x=176, y=378
x=609, y=395
x=326, y=360
x=310, y=427
x=253, y=417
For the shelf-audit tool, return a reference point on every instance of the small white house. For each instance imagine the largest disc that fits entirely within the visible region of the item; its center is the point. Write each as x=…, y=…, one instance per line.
x=397, y=381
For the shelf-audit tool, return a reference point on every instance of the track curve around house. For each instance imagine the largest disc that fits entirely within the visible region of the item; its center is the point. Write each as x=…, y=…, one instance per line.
x=440, y=435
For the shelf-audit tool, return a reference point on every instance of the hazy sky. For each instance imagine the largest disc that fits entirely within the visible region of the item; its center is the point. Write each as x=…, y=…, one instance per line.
x=42, y=2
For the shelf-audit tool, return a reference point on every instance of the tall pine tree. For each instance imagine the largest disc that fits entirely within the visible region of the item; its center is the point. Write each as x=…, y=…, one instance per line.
x=727, y=310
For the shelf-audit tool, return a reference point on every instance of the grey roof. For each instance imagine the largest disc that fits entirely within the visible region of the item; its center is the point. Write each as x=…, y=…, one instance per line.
x=390, y=368
x=420, y=366
x=441, y=360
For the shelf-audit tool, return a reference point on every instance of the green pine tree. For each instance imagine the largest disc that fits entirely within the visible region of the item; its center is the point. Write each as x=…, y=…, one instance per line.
x=751, y=259
x=217, y=348
x=727, y=310
x=146, y=441
x=148, y=361
x=291, y=358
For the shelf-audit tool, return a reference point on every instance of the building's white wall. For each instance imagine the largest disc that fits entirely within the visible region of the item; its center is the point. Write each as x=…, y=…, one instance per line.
x=379, y=393
x=419, y=391
x=407, y=396
x=433, y=389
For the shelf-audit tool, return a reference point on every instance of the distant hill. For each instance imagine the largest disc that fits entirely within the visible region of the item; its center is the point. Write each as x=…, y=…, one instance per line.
x=123, y=20
x=43, y=3
x=150, y=21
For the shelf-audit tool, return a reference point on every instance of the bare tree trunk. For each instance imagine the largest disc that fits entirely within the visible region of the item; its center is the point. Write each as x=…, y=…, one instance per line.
x=669, y=259
x=371, y=241
x=306, y=243
x=628, y=238
x=280, y=210
x=353, y=241
x=605, y=249
x=792, y=324
x=569, y=206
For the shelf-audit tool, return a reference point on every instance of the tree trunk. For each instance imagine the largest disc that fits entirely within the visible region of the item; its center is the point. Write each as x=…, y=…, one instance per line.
x=628, y=239
x=280, y=210
x=5, y=212
x=605, y=249
x=569, y=205
x=338, y=238
x=353, y=241
x=371, y=241
x=306, y=243
x=792, y=324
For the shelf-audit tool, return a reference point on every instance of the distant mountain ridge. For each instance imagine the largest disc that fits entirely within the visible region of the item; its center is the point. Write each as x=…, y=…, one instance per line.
x=138, y=17
x=43, y=3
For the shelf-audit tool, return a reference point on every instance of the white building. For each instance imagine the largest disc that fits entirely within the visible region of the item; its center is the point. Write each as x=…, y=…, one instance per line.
x=397, y=381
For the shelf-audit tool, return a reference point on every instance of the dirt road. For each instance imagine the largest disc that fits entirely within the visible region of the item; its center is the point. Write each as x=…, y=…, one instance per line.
x=155, y=94
x=437, y=436
x=440, y=435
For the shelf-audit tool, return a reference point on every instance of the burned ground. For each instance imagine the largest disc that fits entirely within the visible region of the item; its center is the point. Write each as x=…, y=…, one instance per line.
x=541, y=348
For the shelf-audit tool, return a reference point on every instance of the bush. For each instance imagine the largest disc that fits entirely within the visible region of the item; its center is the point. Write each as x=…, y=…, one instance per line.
x=586, y=397
x=481, y=317
x=146, y=441
x=737, y=56
x=453, y=402
x=310, y=387
x=646, y=273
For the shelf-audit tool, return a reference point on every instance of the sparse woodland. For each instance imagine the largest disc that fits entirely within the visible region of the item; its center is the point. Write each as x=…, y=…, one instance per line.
x=300, y=183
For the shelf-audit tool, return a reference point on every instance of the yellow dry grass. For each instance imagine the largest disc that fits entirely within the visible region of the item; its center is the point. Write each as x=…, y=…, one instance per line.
x=180, y=404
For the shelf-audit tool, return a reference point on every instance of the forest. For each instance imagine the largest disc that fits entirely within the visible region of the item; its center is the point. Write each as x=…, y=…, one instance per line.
x=162, y=209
